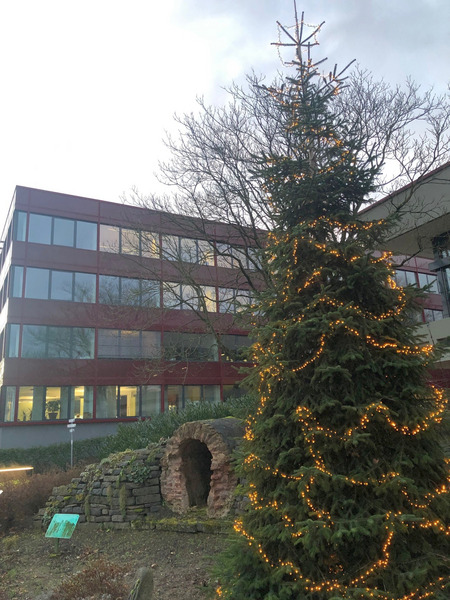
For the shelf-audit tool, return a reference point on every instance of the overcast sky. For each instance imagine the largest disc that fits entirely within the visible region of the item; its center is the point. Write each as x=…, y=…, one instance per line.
x=90, y=86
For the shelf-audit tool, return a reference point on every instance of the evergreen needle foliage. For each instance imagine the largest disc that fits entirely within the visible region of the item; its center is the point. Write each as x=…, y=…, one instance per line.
x=343, y=458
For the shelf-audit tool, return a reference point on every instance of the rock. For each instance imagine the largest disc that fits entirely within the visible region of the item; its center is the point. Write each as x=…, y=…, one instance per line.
x=143, y=588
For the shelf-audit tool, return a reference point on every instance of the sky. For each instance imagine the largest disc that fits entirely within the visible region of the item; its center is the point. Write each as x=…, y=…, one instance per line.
x=89, y=87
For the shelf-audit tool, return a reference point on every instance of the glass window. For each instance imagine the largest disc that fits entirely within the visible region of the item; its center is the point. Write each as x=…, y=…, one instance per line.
x=109, y=238
x=25, y=408
x=205, y=253
x=108, y=343
x=224, y=255
x=236, y=345
x=53, y=403
x=190, y=346
x=130, y=242
x=432, y=315
x=431, y=280
x=240, y=259
x=243, y=300
x=150, y=293
x=20, y=226
x=151, y=344
x=209, y=298
x=128, y=401
x=232, y=391
x=10, y=403
x=40, y=230
x=226, y=300
x=83, y=342
x=151, y=400
x=86, y=235
x=61, y=285
x=12, y=340
x=106, y=402
x=171, y=295
x=211, y=393
x=34, y=341
x=130, y=294
x=192, y=394
x=84, y=290
x=130, y=344
x=190, y=297
x=81, y=402
x=37, y=282
x=59, y=342
x=149, y=244
x=109, y=289
x=173, y=397
x=170, y=248
x=63, y=232
x=16, y=281
x=188, y=250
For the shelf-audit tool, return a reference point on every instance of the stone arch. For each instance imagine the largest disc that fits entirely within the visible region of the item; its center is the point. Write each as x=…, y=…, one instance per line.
x=196, y=466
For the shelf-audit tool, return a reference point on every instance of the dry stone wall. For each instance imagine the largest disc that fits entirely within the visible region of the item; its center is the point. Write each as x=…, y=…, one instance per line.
x=121, y=489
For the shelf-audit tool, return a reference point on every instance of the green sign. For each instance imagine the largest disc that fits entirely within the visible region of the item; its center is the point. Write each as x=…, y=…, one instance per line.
x=62, y=526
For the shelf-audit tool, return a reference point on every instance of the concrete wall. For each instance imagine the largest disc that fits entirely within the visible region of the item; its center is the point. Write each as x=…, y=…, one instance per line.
x=28, y=436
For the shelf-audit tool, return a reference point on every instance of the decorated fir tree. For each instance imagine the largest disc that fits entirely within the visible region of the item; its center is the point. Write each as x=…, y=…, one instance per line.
x=343, y=459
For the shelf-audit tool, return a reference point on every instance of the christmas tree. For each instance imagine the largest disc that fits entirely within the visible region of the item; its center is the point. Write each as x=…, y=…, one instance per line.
x=342, y=462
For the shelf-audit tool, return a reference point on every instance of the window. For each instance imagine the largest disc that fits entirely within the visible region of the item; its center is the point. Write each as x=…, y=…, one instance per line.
x=200, y=347
x=37, y=283
x=61, y=285
x=236, y=344
x=188, y=248
x=43, y=341
x=128, y=292
x=149, y=244
x=114, y=401
x=115, y=343
x=405, y=278
x=20, y=226
x=179, y=396
x=170, y=247
x=40, y=229
x=12, y=340
x=16, y=282
x=130, y=242
x=232, y=257
x=109, y=238
x=58, y=285
x=431, y=315
x=10, y=403
x=172, y=295
x=63, y=232
x=232, y=391
x=205, y=253
x=106, y=402
x=150, y=400
x=426, y=279
x=31, y=403
x=81, y=404
x=86, y=235
x=189, y=297
x=128, y=401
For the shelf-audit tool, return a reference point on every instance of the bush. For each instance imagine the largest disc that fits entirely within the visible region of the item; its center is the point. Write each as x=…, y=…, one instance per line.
x=140, y=434
x=99, y=579
x=22, y=498
x=129, y=436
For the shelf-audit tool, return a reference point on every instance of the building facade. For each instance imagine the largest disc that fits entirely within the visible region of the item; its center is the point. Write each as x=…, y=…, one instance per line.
x=422, y=231
x=108, y=314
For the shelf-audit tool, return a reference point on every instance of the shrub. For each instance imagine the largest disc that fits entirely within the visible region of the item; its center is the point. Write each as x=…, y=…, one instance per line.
x=129, y=436
x=99, y=579
x=22, y=498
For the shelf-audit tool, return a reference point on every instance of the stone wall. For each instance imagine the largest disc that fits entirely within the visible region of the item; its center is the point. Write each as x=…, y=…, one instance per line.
x=197, y=466
x=193, y=469
x=123, y=488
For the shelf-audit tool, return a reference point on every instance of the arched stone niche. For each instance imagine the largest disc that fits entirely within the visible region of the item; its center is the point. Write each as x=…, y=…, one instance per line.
x=196, y=466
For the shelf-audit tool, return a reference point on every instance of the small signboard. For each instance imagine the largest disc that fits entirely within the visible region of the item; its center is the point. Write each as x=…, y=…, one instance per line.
x=62, y=526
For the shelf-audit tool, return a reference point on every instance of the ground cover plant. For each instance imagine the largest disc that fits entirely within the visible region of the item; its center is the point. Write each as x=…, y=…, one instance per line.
x=343, y=458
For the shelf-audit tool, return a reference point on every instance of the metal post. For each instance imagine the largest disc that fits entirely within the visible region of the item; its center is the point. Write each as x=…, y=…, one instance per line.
x=71, y=427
